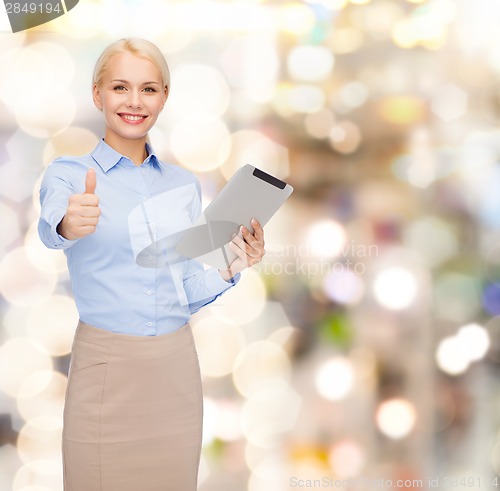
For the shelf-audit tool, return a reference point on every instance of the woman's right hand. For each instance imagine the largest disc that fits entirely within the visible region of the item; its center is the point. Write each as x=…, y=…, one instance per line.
x=83, y=211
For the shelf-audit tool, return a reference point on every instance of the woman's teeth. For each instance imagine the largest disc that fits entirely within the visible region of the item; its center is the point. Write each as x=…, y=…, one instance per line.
x=132, y=118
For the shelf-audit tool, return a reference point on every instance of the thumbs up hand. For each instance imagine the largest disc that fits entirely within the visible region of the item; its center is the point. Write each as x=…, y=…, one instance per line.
x=90, y=182
x=83, y=211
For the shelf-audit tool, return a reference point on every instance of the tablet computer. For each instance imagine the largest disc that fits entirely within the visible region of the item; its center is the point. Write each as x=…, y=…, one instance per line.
x=250, y=193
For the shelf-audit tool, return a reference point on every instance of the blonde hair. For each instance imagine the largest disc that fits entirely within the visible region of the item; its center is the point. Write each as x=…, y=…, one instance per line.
x=137, y=46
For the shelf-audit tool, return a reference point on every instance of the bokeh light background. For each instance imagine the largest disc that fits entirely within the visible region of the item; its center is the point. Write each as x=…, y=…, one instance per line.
x=366, y=345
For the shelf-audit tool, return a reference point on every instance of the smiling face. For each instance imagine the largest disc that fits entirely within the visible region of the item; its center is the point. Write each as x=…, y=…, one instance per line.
x=131, y=96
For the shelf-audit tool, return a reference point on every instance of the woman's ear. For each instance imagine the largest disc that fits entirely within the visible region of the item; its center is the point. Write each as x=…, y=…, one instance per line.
x=96, y=96
x=165, y=95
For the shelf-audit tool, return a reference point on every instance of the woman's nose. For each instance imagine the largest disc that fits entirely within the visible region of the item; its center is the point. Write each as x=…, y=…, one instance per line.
x=134, y=99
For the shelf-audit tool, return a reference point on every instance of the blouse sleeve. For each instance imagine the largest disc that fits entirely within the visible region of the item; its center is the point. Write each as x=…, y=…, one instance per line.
x=203, y=286
x=55, y=190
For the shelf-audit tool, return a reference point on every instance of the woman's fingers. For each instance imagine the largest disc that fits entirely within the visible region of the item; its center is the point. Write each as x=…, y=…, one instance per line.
x=245, y=259
x=249, y=244
x=258, y=231
x=248, y=247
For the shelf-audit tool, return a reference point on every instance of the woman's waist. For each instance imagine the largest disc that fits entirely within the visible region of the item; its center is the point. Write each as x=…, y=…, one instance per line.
x=135, y=323
x=132, y=340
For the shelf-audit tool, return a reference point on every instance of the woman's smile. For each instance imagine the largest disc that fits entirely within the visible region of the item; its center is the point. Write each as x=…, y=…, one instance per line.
x=132, y=118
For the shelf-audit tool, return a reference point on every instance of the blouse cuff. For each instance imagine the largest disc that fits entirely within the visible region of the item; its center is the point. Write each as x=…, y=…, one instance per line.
x=58, y=241
x=219, y=283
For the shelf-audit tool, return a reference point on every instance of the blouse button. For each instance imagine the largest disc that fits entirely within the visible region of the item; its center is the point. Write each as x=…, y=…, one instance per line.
x=149, y=292
x=149, y=324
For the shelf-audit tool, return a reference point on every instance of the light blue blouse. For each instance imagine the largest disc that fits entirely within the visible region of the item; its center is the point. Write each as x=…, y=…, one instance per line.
x=126, y=277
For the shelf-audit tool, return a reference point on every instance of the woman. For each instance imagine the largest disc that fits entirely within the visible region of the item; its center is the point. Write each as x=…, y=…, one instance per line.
x=133, y=408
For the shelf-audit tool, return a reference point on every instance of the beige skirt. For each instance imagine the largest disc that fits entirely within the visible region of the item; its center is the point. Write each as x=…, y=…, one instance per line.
x=133, y=412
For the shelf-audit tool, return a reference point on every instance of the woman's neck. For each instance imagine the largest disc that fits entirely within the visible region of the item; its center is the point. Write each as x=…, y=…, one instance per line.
x=135, y=150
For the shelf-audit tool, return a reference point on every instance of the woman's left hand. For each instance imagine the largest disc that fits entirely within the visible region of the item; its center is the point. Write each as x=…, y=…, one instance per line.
x=249, y=249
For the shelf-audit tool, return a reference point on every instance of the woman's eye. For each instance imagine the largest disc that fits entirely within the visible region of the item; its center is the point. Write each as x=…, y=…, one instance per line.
x=119, y=87
x=150, y=89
